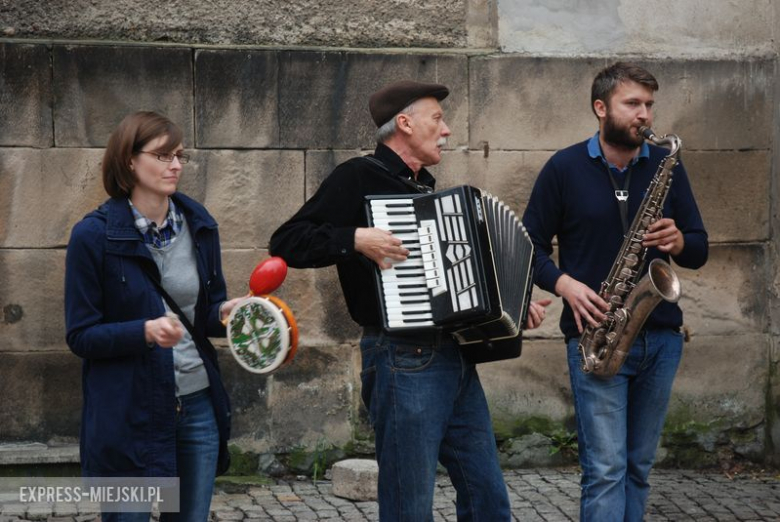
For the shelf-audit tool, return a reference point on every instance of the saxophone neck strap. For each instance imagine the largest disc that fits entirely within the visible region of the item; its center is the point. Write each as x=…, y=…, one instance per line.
x=621, y=193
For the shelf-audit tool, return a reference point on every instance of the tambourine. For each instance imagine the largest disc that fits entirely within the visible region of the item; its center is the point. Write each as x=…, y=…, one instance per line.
x=261, y=329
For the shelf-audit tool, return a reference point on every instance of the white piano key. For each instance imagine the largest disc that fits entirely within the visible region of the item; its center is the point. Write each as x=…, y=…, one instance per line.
x=392, y=279
x=409, y=261
x=410, y=309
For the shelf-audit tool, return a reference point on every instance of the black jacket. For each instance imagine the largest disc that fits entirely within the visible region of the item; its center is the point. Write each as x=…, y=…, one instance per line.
x=322, y=232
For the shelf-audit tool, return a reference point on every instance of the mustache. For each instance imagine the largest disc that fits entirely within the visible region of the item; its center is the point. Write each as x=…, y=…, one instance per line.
x=441, y=142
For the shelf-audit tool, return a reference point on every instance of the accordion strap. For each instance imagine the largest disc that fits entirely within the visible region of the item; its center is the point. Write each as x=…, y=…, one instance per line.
x=418, y=187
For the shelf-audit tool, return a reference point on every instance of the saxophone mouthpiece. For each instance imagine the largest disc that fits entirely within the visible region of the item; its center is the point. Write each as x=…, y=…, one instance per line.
x=647, y=133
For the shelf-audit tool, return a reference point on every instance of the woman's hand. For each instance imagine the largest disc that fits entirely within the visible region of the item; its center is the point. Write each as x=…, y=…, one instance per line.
x=227, y=307
x=166, y=331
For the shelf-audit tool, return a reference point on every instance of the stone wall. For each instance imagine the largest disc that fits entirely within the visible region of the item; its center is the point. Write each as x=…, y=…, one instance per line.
x=281, y=100
x=393, y=23
x=265, y=127
x=694, y=28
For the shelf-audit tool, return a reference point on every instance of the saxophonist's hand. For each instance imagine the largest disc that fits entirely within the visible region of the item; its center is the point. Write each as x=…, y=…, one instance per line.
x=585, y=303
x=664, y=235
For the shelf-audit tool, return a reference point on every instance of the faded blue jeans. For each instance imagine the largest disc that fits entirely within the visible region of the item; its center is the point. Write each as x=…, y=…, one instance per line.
x=197, y=449
x=619, y=423
x=427, y=405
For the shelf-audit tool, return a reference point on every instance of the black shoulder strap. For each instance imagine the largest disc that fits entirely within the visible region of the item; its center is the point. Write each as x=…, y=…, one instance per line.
x=200, y=341
x=419, y=187
x=376, y=162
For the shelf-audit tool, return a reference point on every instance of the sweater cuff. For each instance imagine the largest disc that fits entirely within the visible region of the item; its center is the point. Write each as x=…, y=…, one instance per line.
x=343, y=244
x=549, y=278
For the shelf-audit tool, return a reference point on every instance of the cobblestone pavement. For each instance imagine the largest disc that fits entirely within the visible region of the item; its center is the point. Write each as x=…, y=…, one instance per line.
x=536, y=495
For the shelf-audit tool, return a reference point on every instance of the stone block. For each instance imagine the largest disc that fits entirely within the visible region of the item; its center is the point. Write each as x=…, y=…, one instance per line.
x=522, y=103
x=236, y=99
x=534, y=385
x=25, y=103
x=732, y=189
x=300, y=405
x=722, y=381
x=251, y=414
x=508, y=175
x=512, y=109
x=37, y=453
x=715, y=104
x=621, y=28
x=530, y=451
x=44, y=192
x=355, y=479
x=33, y=318
x=312, y=399
x=41, y=396
x=96, y=86
x=431, y=24
x=727, y=296
x=323, y=96
x=250, y=193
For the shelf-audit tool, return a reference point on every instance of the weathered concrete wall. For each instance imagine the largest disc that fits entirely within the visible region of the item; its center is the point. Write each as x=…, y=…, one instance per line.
x=266, y=126
x=699, y=28
x=393, y=23
x=773, y=284
x=694, y=28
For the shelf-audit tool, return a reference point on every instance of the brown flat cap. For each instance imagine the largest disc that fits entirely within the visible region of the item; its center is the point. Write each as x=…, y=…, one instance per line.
x=393, y=98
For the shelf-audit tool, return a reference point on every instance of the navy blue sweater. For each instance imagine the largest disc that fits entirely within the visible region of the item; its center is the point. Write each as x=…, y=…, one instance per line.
x=573, y=200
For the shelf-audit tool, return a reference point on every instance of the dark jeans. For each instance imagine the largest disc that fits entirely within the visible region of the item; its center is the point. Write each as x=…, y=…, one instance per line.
x=427, y=405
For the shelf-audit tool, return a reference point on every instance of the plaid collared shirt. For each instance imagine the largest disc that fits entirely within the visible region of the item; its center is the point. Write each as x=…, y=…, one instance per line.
x=158, y=236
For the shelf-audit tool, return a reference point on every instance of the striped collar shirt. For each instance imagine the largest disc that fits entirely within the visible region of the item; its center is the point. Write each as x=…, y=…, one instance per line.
x=162, y=235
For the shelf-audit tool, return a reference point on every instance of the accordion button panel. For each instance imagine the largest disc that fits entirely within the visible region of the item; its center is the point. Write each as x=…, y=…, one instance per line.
x=431, y=257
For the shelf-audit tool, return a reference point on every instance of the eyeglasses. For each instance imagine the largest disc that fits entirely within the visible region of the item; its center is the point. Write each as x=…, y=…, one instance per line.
x=167, y=157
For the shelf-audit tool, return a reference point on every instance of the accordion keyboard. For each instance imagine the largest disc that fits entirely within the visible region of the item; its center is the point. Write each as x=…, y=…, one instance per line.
x=409, y=285
x=469, y=265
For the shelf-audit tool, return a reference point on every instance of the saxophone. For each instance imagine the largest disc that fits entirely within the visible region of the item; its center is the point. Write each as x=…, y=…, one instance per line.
x=604, y=348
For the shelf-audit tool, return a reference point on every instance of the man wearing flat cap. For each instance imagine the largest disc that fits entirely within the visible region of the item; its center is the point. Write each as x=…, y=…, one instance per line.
x=425, y=402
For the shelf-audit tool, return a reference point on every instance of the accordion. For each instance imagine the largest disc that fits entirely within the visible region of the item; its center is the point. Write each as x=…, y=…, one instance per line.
x=469, y=269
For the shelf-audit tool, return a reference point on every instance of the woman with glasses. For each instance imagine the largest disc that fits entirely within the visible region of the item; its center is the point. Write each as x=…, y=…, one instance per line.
x=154, y=402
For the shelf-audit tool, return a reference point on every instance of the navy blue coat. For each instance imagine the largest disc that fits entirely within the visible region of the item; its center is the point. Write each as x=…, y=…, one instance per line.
x=128, y=418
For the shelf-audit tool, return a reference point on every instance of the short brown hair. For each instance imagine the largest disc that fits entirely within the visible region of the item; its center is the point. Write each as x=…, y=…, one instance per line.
x=130, y=136
x=608, y=79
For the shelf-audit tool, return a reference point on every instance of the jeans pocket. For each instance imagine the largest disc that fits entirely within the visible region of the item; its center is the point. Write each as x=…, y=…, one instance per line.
x=411, y=357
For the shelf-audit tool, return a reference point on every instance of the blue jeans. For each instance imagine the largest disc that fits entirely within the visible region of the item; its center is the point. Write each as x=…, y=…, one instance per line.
x=427, y=405
x=197, y=449
x=619, y=423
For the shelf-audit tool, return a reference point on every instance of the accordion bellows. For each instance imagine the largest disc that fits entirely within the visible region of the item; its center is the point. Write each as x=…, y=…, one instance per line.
x=470, y=267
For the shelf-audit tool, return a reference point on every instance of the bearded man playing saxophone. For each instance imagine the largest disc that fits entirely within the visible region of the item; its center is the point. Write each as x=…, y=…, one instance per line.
x=580, y=197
